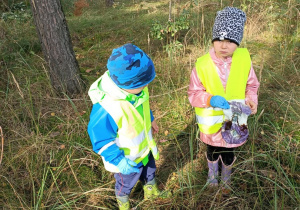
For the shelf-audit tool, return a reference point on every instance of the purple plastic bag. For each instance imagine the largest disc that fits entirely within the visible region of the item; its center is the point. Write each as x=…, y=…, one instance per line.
x=232, y=132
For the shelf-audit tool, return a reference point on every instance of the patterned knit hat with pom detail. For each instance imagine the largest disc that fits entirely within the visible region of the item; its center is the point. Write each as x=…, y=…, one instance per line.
x=229, y=24
x=130, y=67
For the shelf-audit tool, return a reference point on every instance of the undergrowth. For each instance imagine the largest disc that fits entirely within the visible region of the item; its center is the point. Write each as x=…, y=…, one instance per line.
x=48, y=161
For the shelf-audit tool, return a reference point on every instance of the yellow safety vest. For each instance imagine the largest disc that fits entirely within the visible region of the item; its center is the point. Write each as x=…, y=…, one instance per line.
x=210, y=119
x=134, y=135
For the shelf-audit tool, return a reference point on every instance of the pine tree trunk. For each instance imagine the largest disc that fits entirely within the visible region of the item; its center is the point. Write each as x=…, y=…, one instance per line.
x=56, y=44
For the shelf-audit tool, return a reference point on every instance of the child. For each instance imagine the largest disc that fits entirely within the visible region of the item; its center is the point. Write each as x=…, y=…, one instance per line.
x=224, y=81
x=121, y=122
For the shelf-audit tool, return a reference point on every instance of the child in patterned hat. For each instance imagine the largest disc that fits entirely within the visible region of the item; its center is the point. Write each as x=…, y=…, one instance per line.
x=121, y=122
x=223, y=89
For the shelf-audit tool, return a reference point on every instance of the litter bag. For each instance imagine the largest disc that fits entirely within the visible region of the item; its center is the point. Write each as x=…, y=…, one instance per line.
x=234, y=128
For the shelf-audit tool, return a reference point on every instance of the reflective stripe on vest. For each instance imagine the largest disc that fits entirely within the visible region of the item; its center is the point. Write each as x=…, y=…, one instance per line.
x=210, y=119
x=134, y=135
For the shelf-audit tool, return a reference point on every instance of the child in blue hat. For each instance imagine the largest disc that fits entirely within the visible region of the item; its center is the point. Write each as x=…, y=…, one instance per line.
x=121, y=122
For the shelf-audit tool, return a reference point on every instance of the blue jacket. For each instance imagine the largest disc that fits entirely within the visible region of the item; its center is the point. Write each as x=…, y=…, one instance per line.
x=102, y=129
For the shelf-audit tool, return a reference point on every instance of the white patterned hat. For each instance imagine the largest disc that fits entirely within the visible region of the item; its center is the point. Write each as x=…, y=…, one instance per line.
x=229, y=24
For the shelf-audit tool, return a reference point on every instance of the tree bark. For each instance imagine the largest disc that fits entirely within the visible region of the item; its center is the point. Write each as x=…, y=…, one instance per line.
x=56, y=44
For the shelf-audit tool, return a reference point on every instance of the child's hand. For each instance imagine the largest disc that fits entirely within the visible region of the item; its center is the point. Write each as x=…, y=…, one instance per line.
x=155, y=128
x=219, y=101
x=127, y=166
x=253, y=106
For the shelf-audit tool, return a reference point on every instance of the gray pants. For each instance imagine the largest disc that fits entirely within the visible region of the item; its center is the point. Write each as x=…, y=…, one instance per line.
x=125, y=183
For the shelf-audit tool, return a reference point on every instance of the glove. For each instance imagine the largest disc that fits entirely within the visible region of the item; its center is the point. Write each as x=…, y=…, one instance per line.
x=219, y=101
x=126, y=166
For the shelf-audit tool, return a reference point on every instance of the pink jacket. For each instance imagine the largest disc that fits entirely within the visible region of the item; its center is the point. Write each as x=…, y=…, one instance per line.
x=198, y=96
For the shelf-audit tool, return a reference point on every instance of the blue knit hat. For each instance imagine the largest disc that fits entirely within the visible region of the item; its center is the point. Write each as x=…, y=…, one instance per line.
x=130, y=67
x=229, y=24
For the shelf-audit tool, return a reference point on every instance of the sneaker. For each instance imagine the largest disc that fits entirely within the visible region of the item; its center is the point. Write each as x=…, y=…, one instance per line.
x=123, y=206
x=152, y=191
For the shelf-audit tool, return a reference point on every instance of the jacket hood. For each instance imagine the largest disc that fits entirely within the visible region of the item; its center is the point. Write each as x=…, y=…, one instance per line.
x=105, y=86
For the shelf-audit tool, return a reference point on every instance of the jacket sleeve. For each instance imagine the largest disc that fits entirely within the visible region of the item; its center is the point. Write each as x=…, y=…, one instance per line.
x=197, y=93
x=102, y=130
x=151, y=114
x=252, y=86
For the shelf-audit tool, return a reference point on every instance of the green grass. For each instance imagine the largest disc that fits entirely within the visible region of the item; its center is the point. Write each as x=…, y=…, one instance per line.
x=48, y=161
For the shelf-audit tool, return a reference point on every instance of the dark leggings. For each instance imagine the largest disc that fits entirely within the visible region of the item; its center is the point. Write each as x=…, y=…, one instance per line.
x=226, y=153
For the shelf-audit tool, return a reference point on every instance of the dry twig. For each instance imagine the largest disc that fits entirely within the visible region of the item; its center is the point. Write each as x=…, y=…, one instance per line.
x=2, y=144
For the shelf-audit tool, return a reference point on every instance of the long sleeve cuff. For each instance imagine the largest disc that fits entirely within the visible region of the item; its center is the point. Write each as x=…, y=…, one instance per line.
x=112, y=154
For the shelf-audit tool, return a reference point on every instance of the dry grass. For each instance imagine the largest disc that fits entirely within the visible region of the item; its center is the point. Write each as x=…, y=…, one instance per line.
x=48, y=161
x=79, y=6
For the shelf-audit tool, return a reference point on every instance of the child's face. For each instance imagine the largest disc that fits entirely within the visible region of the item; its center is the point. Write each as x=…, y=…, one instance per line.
x=135, y=91
x=224, y=48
